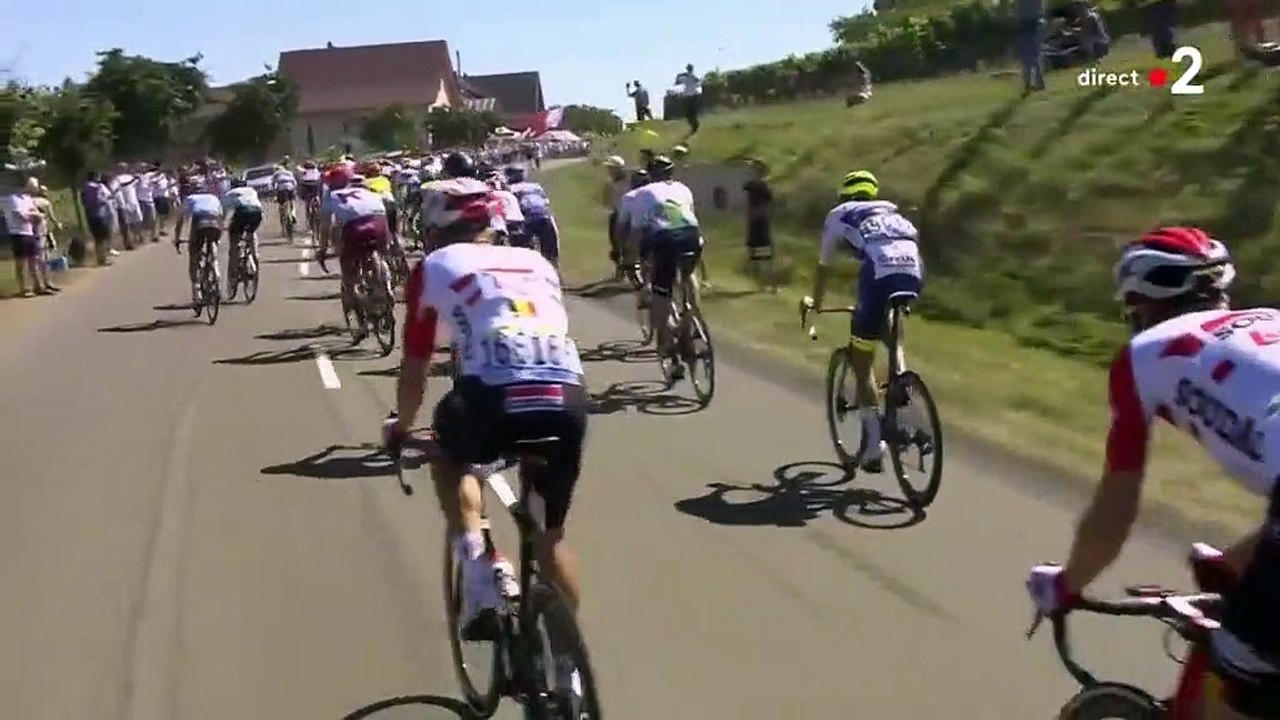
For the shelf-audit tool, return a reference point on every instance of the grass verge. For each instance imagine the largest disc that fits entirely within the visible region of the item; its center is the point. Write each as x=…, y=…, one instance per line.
x=1032, y=198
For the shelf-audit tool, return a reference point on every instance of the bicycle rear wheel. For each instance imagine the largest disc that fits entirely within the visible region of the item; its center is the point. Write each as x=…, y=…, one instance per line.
x=481, y=698
x=381, y=306
x=1112, y=701
x=568, y=652
x=916, y=428
x=248, y=274
x=842, y=411
x=209, y=288
x=699, y=355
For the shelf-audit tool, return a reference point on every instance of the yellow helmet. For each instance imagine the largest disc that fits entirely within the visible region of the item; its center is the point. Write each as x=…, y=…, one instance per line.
x=860, y=183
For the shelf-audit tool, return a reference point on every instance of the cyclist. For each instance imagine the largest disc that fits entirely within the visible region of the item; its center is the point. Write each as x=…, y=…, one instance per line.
x=309, y=188
x=356, y=218
x=204, y=210
x=511, y=213
x=285, y=186
x=615, y=186
x=663, y=212
x=539, y=224
x=885, y=243
x=380, y=184
x=1214, y=374
x=242, y=206
x=455, y=166
x=492, y=297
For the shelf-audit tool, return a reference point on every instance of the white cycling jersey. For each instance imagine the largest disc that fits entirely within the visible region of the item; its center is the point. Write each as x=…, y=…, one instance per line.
x=875, y=232
x=504, y=311
x=628, y=219
x=1214, y=375
x=311, y=176
x=436, y=194
x=511, y=210
x=284, y=180
x=352, y=203
x=664, y=206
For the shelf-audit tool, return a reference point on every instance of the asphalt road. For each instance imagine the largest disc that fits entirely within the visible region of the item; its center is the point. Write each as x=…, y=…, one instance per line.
x=191, y=528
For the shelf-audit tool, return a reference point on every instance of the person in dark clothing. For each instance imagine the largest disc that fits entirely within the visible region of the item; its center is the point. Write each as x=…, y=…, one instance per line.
x=1162, y=16
x=640, y=96
x=759, y=233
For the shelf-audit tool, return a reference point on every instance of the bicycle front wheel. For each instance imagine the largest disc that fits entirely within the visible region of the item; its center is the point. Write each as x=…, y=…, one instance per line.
x=1112, y=701
x=572, y=692
x=249, y=276
x=700, y=356
x=844, y=424
x=914, y=439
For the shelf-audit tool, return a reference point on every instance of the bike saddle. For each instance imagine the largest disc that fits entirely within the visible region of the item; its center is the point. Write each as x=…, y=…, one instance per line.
x=903, y=299
x=536, y=448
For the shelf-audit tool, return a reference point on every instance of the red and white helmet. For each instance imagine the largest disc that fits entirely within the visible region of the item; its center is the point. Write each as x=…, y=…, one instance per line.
x=464, y=201
x=1172, y=261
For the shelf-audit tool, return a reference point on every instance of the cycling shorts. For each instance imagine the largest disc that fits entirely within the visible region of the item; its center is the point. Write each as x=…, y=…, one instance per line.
x=309, y=191
x=360, y=238
x=670, y=251
x=286, y=195
x=244, y=220
x=477, y=424
x=544, y=236
x=870, y=320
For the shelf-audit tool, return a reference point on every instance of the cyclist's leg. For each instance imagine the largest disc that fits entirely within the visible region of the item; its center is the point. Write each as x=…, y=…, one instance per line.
x=234, y=230
x=548, y=234
x=666, y=259
x=554, y=483
x=252, y=223
x=464, y=422
x=195, y=241
x=867, y=327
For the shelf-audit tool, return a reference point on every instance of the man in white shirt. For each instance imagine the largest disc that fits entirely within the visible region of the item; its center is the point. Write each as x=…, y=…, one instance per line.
x=146, y=200
x=125, y=192
x=690, y=88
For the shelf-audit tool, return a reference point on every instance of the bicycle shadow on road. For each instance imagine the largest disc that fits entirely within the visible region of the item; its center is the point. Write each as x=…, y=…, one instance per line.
x=336, y=350
x=651, y=397
x=628, y=351
x=803, y=492
x=313, y=333
x=601, y=289
x=448, y=708
x=348, y=462
x=321, y=296
x=157, y=324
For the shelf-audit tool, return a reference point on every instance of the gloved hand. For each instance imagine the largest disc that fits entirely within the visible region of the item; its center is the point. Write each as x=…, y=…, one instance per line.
x=1048, y=589
x=1210, y=569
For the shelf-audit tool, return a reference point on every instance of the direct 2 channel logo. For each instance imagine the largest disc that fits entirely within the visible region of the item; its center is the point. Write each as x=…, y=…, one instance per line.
x=1157, y=77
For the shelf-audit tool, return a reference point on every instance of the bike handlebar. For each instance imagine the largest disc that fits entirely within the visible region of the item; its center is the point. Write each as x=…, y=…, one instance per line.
x=813, y=329
x=1180, y=611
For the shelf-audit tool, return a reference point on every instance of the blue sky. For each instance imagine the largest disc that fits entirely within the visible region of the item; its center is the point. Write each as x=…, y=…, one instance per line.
x=586, y=50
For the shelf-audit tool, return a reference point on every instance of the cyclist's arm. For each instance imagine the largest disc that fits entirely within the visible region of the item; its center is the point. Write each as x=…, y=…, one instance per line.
x=421, y=322
x=1105, y=525
x=834, y=231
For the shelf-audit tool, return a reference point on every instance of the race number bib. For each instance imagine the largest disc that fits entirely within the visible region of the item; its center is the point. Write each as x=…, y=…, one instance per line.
x=520, y=349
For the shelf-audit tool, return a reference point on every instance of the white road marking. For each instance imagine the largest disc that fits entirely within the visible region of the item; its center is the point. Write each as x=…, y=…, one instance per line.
x=328, y=374
x=304, y=267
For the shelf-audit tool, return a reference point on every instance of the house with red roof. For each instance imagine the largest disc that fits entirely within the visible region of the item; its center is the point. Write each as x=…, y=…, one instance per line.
x=339, y=86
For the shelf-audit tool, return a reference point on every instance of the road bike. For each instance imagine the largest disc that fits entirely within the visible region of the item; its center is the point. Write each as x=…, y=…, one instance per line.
x=903, y=390
x=287, y=220
x=244, y=271
x=1190, y=617
x=397, y=263
x=313, y=217
x=370, y=306
x=208, y=295
x=518, y=665
x=691, y=335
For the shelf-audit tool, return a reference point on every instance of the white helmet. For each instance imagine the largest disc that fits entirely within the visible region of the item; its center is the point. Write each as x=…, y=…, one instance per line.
x=615, y=161
x=1172, y=261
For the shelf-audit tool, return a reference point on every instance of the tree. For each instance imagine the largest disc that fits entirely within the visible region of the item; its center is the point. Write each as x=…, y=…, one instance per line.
x=21, y=126
x=390, y=128
x=589, y=119
x=259, y=111
x=77, y=131
x=452, y=128
x=148, y=95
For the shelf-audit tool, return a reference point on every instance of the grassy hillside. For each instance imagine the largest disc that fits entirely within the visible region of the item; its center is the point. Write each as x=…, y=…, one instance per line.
x=1022, y=203
x=1022, y=200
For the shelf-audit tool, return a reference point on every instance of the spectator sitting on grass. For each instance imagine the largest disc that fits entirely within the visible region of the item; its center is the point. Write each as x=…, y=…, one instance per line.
x=26, y=226
x=861, y=86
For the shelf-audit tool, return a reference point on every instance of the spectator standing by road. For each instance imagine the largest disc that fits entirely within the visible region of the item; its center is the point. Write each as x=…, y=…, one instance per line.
x=96, y=201
x=1162, y=16
x=640, y=96
x=1029, y=35
x=759, y=233
x=26, y=236
x=690, y=87
x=146, y=200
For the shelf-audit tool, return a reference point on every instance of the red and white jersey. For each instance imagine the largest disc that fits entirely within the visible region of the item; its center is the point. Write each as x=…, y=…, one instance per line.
x=1212, y=374
x=504, y=310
